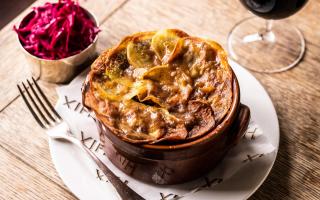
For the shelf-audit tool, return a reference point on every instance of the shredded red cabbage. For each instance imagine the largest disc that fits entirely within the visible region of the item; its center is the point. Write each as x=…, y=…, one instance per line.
x=57, y=30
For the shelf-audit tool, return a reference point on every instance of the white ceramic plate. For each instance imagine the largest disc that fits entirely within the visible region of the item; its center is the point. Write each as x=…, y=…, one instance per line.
x=76, y=170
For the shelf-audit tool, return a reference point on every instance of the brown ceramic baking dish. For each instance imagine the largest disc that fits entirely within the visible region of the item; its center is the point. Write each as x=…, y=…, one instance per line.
x=177, y=163
x=168, y=161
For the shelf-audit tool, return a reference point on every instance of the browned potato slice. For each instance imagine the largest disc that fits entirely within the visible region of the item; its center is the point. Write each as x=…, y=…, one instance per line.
x=190, y=51
x=148, y=94
x=117, y=60
x=115, y=89
x=139, y=51
x=164, y=42
x=158, y=73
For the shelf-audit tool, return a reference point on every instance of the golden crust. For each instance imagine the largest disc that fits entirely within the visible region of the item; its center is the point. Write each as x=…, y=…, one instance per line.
x=160, y=86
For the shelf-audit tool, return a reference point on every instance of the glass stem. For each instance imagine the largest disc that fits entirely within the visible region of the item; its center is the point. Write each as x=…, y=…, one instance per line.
x=266, y=33
x=269, y=24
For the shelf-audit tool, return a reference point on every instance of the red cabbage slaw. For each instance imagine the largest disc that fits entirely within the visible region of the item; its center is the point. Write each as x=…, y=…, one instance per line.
x=57, y=30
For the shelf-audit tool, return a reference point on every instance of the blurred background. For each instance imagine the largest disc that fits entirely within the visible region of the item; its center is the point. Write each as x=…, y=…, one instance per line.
x=9, y=9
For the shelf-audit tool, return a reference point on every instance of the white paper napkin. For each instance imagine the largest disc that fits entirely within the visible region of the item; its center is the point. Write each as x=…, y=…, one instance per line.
x=254, y=145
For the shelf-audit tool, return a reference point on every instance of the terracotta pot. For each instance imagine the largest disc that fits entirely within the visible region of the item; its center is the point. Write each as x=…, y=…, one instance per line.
x=177, y=163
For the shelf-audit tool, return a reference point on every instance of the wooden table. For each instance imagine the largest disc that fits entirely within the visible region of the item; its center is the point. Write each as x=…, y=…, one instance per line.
x=26, y=170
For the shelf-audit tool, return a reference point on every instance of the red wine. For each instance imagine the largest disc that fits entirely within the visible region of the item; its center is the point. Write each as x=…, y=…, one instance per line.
x=273, y=9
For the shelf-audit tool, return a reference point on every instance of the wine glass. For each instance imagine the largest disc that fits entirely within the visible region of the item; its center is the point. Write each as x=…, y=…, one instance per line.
x=267, y=44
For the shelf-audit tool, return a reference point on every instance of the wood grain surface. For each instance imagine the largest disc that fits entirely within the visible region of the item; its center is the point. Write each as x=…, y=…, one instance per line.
x=26, y=169
x=13, y=66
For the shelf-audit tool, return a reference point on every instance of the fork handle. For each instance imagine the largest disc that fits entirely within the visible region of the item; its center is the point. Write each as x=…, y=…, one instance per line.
x=125, y=192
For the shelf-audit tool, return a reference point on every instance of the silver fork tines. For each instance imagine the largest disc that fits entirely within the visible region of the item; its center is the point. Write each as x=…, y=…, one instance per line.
x=39, y=105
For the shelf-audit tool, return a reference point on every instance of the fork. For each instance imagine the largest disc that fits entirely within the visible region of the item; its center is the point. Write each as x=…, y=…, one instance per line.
x=48, y=118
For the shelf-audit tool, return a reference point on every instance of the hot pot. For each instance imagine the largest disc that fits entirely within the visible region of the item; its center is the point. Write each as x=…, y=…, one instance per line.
x=177, y=163
x=142, y=91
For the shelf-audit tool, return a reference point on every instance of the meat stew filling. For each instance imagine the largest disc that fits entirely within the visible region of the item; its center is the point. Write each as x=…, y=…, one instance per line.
x=160, y=86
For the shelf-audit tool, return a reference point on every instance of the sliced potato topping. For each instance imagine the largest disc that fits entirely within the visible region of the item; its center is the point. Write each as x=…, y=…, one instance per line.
x=139, y=51
x=161, y=86
x=164, y=42
x=158, y=73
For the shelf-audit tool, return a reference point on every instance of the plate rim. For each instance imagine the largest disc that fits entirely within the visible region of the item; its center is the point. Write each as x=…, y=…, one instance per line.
x=277, y=129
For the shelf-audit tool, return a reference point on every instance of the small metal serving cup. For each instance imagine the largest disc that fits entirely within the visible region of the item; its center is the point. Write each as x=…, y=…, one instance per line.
x=61, y=70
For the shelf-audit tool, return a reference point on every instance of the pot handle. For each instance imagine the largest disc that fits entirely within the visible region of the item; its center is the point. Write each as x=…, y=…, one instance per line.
x=240, y=125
